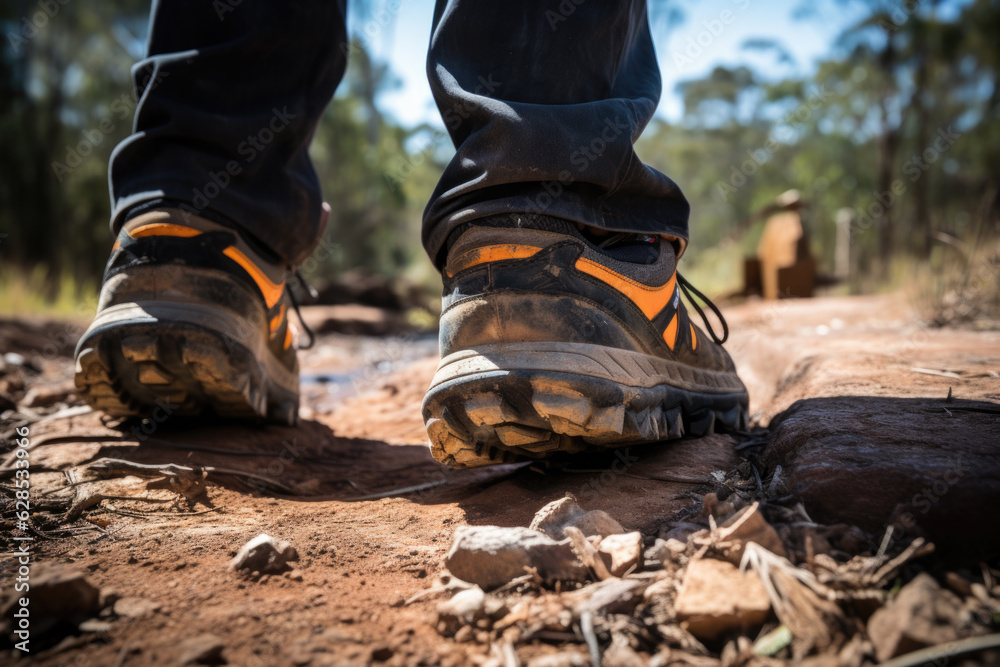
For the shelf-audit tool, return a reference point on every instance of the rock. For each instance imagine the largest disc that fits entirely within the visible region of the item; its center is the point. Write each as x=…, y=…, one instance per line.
x=58, y=597
x=470, y=608
x=748, y=525
x=129, y=607
x=922, y=614
x=461, y=610
x=204, y=649
x=663, y=552
x=927, y=467
x=490, y=556
x=621, y=552
x=265, y=555
x=715, y=598
x=95, y=625
x=611, y=596
x=553, y=519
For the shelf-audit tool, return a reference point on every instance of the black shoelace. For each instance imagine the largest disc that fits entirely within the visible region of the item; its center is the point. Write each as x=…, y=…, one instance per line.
x=687, y=288
x=311, y=291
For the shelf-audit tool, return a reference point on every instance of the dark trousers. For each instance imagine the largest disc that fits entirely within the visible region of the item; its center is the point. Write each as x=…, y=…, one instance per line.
x=543, y=100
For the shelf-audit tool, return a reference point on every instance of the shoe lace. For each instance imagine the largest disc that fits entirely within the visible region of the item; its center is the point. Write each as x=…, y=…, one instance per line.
x=311, y=291
x=687, y=288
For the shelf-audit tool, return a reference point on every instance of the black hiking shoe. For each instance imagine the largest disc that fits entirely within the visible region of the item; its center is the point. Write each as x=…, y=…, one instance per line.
x=191, y=319
x=557, y=340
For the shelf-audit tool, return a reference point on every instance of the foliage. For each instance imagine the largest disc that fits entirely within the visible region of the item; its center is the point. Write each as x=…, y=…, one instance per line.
x=909, y=97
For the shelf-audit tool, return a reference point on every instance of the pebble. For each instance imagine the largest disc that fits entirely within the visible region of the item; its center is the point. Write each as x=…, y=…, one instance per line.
x=264, y=555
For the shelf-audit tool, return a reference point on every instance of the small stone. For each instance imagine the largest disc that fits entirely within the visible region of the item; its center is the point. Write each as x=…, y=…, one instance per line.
x=204, y=649
x=295, y=575
x=129, y=607
x=465, y=634
x=611, y=596
x=553, y=519
x=715, y=598
x=922, y=614
x=94, y=625
x=749, y=525
x=490, y=556
x=263, y=555
x=461, y=610
x=621, y=552
x=663, y=552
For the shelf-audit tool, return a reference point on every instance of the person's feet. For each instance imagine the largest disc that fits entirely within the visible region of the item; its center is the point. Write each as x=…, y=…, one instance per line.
x=191, y=317
x=555, y=341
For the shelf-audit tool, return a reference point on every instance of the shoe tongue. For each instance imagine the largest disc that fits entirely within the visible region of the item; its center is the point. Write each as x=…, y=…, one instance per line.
x=629, y=247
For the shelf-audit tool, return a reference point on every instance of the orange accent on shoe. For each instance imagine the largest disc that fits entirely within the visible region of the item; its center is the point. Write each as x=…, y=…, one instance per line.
x=650, y=300
x=670, y=333
x=118, y=244
x=271, y=290
x=694, y=338
x=288, y=338
x=163, y=229
x=276, y=320
x=491, y=253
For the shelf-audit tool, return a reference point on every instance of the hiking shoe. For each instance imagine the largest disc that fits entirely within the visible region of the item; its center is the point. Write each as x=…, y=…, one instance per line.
x=191, y=318
x=554, y=340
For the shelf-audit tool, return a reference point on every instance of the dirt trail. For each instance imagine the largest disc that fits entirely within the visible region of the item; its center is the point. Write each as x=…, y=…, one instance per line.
x=363, y=556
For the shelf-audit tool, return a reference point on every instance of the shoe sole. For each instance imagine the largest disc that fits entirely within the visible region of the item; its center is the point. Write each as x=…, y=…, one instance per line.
x=505, y=403
x=158, y=359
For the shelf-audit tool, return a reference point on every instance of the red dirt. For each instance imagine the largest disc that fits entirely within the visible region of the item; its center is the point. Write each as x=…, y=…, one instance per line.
x=360, y=560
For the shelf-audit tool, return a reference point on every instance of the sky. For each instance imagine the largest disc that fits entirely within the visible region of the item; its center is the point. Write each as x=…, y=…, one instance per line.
x=711, y=34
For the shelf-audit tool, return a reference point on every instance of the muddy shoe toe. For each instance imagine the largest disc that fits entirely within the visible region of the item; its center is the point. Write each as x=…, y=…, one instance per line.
x=191, y=318
x=553, y=340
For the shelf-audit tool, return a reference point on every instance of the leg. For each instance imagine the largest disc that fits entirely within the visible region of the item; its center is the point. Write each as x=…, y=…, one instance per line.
x=229, y=98
x=214, y=199
x=543, y=109
x=562, y=327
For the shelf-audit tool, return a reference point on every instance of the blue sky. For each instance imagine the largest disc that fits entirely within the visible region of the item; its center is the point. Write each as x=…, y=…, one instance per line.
x=708, y=34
